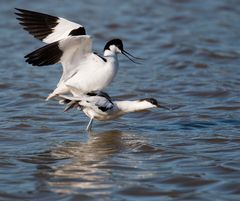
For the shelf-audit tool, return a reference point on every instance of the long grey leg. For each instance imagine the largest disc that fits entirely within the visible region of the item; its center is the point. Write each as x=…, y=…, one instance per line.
x=89, y=126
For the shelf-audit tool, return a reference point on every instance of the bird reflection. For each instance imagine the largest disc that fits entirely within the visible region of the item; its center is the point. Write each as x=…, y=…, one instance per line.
x=80, y=166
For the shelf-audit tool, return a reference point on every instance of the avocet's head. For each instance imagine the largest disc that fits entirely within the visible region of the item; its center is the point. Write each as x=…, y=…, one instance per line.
x=116, y=46
x=152, y=102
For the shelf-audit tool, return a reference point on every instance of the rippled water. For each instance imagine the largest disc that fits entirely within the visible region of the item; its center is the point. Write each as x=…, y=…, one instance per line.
x=192, y=62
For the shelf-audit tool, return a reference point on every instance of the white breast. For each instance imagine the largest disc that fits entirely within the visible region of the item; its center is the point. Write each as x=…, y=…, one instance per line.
x=97, y=75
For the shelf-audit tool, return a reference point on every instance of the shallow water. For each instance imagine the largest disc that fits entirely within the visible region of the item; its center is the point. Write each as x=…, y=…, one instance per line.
x=190, y=153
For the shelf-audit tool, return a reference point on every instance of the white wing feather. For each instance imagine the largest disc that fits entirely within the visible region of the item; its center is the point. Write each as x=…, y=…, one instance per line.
x=75, y=51
x=61, y=31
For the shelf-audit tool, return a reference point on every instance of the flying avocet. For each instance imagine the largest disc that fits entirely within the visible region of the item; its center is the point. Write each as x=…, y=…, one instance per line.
x=67, y=43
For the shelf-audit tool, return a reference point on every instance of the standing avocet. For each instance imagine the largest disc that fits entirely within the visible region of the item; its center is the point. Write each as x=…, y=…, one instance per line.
x=98, y=105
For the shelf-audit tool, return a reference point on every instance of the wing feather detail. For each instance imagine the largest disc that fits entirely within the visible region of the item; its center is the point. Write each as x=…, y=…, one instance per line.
x=65, y=51
x=47, y=28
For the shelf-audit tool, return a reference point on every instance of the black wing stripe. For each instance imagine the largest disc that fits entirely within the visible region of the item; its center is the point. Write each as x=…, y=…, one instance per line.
x=105, y=60
x=46, y=55
x=100, y=93
x=30, y=20
x=77, y=32
x=103, y=109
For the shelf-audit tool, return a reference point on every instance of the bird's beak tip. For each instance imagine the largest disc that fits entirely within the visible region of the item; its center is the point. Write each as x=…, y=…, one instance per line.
x=130, y=56
x=164, y=107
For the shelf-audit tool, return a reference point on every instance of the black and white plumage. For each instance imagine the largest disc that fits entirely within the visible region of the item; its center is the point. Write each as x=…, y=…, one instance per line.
x=83, y=70
x=48, y=28
x=98, y=105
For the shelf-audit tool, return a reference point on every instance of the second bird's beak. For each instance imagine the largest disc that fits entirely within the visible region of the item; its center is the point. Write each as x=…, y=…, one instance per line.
x=164, y=107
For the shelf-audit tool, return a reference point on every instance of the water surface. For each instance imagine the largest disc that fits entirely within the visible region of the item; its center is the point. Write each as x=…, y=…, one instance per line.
x=190, y=153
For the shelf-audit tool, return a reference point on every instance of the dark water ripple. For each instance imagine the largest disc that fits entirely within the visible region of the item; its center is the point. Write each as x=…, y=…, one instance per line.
x=192, y=57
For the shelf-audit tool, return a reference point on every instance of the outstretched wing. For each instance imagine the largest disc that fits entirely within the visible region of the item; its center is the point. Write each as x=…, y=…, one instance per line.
x=70, y=52
x=63, y=51
x=46, y=27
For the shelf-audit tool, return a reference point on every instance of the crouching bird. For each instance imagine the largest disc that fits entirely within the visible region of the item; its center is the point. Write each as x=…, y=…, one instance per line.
x=98, y=105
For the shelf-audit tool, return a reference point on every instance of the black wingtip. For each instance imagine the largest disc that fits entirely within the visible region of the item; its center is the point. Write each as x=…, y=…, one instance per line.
x=44, y=56
x=17, y=12
x=38, y=24
x=19, y=9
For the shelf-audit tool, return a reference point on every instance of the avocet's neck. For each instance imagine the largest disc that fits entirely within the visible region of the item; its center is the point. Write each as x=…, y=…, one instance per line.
x=133, y=106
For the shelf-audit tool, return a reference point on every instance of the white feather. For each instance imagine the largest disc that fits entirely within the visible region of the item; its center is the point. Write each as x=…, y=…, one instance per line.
x=75, y=51
x=61, y=31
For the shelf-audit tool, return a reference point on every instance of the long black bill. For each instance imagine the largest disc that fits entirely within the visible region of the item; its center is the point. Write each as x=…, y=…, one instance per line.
x=128, y=55
x=164, y=107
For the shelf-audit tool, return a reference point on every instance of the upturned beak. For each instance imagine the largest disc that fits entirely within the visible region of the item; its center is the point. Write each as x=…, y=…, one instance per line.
x=131, y=57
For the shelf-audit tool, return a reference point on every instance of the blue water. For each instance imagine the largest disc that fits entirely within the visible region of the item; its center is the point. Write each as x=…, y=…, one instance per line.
x=192, y=63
